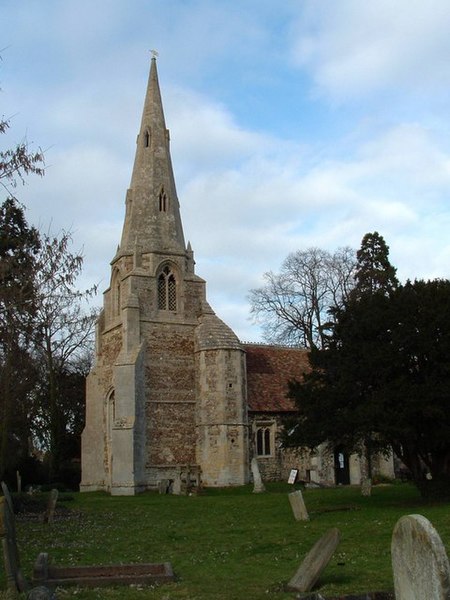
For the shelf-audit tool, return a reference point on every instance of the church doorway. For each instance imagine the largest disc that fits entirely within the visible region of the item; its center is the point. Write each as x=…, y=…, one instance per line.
x=341, y=466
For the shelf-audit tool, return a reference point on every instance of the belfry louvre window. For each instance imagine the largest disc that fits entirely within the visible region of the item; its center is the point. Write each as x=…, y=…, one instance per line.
x=167, y=290
x=163, y=201
x=264, y=441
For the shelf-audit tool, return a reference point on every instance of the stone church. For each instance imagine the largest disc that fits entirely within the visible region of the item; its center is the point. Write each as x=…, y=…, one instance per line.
x=172, y=386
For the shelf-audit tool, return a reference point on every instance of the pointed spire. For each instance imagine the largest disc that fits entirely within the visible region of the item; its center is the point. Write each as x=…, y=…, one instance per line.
x=152, y=220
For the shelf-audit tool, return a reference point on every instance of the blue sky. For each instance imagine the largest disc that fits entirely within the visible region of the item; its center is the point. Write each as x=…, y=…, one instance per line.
x=293, y=124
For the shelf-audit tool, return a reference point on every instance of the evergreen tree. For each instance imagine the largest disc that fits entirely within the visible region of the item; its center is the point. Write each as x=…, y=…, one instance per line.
x=385, y=376
x=19, y=245
x=374, y=272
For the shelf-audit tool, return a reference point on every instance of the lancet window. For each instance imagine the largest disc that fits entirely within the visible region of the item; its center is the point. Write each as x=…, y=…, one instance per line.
x=115, y=293
x=163, y=201
x=167, y=290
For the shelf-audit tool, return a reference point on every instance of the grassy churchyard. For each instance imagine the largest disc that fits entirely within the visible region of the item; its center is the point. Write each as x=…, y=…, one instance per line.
x=227, y=544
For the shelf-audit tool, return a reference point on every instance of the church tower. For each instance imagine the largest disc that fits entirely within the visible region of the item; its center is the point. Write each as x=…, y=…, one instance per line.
x=168, y=388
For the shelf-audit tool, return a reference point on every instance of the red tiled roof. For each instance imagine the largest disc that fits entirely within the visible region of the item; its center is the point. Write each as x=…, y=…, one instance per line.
x=269, y=368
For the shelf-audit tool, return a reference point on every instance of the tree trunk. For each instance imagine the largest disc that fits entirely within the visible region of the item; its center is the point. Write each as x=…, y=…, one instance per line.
x=5, y=451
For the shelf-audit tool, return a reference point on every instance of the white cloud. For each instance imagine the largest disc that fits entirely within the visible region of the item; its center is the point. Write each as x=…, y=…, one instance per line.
x=207, y=135
x=248, y=197
x=354, y=48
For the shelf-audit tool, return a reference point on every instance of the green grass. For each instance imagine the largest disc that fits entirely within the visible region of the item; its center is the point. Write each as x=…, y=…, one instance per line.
x=229, y=544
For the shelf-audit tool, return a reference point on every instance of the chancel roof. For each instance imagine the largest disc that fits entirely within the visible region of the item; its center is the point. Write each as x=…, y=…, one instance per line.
x=269, y=368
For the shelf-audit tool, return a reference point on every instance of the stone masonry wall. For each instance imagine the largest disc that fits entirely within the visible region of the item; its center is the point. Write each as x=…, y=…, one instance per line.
x=222, y=429
x=170, y=396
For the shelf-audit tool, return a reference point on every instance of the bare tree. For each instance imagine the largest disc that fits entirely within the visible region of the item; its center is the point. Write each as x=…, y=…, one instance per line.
x=293, y=305
x=64, y=327
x=18, y=162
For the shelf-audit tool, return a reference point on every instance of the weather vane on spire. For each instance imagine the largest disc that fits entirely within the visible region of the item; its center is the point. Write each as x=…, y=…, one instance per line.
x=155, y=53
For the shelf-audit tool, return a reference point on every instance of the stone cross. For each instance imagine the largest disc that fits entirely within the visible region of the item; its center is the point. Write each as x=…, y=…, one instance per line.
x=258, y=485
x=298, y=506
x=419, y=562
x=315, y=562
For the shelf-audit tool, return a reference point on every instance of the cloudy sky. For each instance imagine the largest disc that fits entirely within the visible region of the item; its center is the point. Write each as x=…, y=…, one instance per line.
x=293, y=124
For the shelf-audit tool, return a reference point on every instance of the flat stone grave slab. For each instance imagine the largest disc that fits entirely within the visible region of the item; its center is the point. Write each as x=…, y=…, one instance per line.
x=47, y=574
x=363, y=596
x=315, y=562
x=419, y=562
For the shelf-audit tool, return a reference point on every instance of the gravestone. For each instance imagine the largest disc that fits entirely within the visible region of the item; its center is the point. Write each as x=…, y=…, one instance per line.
x=14, y=577
x=315, y=562
x=258, y=485
x=419, y=562
x=176, y=485
x=19, y=482
x=51, y=505
x=163, y=486
x=298, y=506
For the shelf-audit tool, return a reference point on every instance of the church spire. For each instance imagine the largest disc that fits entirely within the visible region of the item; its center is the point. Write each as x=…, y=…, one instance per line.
x=152, y=220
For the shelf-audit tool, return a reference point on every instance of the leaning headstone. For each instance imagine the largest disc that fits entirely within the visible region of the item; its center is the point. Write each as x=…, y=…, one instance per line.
x=315, y=562
x=419, y=562
x=7, y=495
x=14, y=577
x=298, y=506
x=258, y=485
x=51, y=505
x=366, y=486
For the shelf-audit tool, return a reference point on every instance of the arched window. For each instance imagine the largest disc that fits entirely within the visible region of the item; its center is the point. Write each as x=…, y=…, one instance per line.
x=163, y=201
x=264, y=440
x=118, y=298
x=115, y=293
x=167, y=290
x=147, y=138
